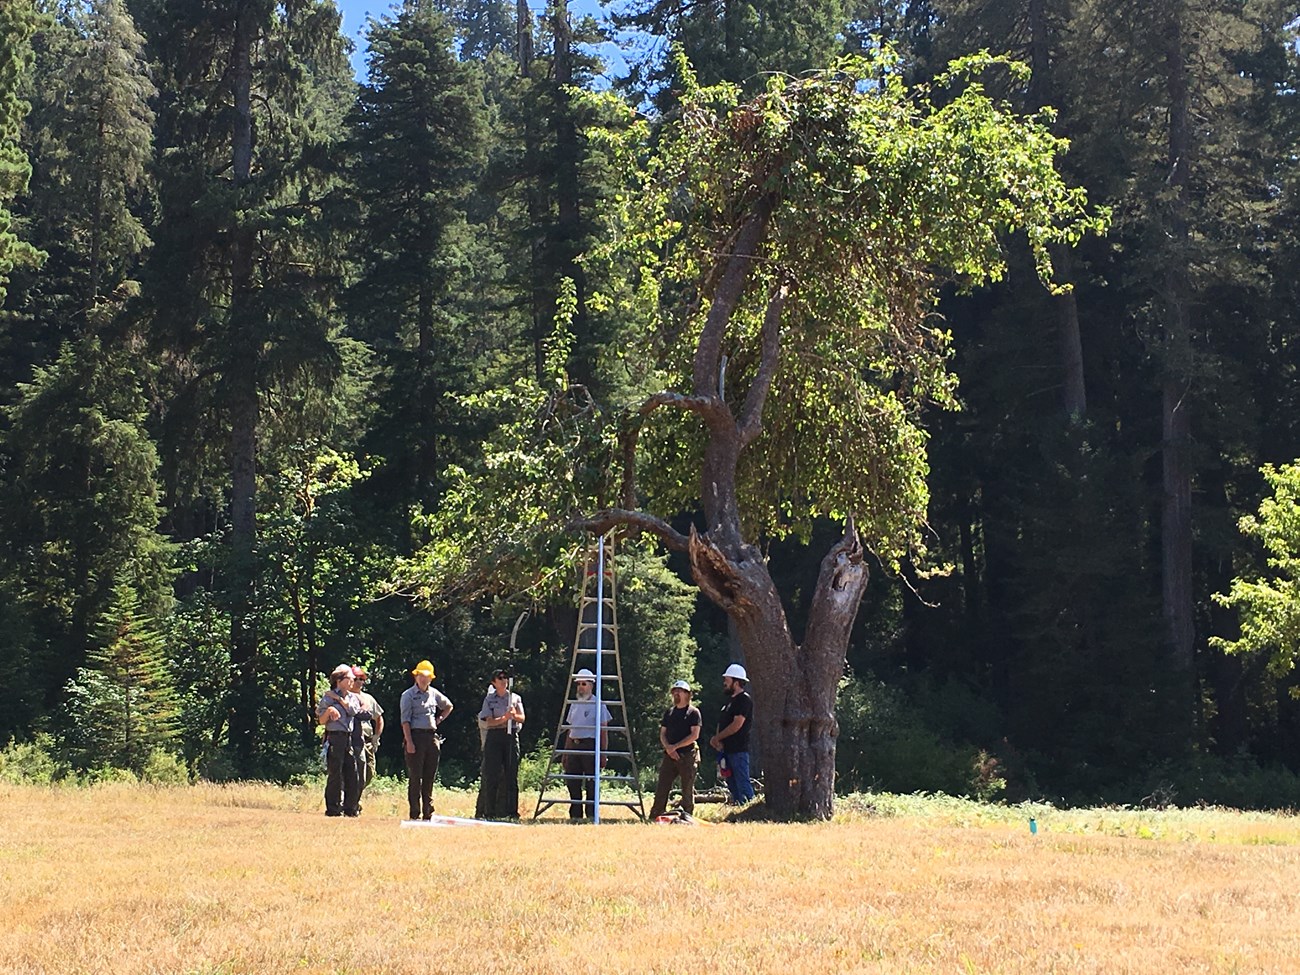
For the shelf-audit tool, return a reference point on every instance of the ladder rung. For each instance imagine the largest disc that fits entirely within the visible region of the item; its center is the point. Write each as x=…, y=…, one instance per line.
x=588, y=751
x=558, y=800
x=566, y=777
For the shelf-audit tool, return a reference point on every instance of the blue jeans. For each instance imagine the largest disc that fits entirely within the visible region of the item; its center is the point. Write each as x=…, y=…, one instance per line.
x=738, y=784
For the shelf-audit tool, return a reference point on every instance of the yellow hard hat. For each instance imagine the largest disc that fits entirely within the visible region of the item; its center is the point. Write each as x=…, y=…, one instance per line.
x=424, y=667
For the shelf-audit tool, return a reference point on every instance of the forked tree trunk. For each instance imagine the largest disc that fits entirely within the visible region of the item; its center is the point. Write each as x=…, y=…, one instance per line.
x=793, y=685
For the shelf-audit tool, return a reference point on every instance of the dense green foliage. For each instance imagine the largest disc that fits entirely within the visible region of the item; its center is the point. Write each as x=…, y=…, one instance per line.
x=281, y=308
x=17, y=21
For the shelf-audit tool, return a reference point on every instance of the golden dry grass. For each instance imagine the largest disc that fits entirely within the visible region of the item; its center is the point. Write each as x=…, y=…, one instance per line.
x=253, y=879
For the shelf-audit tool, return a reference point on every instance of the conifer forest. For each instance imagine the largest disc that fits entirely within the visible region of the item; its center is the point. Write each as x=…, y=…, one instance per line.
x=939, y=360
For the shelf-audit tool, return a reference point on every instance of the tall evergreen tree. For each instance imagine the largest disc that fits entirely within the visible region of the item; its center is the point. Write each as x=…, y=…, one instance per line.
x=123, y=705
x=91, y=143
x=417, y=149
x=81, y=508
x=242, y=285
x=17, y=22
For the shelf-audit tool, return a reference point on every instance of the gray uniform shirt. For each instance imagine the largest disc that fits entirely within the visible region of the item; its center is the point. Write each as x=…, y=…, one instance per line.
x=495, y=706
x=347, y=706
x=582, y=718
x=420, y=708
x=368, y=703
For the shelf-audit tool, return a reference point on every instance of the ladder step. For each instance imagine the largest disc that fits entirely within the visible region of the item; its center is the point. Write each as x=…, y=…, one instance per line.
x=561, y=800
x=565, y=777
x=605, y=752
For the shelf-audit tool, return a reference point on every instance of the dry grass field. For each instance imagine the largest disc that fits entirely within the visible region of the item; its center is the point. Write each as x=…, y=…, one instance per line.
x=253, y=879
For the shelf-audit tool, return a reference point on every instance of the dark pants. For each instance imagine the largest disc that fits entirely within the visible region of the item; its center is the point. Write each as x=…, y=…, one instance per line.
x=684, y=767
x=584, y=765
x=498, y=788
x=421, y=772
x=342, y=788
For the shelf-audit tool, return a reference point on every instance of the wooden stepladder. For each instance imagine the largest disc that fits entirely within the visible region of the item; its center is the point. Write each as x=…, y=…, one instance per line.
x=595, y=648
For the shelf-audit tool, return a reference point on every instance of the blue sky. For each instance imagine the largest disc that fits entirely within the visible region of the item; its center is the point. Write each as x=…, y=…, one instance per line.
x=356, y=11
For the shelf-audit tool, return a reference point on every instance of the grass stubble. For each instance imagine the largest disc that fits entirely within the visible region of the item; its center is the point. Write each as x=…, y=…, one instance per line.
x=253, y=879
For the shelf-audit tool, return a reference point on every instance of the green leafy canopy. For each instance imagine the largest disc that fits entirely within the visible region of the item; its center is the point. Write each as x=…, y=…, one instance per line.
x=873, y=196
x=1270, y=605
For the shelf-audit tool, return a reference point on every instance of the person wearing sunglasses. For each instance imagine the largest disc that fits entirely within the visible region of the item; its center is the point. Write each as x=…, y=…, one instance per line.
x=580, y=745
x=502, y=715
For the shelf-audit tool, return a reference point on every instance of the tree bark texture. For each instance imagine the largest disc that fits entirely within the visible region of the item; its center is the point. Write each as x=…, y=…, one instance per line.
x=1176, y=520
x=793, y=685
x=244, y=410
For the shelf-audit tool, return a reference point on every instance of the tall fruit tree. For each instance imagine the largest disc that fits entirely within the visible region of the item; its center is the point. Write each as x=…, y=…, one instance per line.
x=784, y=256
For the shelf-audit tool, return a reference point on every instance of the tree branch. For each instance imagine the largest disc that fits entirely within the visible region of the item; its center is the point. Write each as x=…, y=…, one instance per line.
x=726, y=296
x=602, y=521
x=705, y=406
x=694, y=404
x=751, y=416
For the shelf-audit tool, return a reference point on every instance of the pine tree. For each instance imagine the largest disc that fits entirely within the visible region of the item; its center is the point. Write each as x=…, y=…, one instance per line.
x=242, y=282
x=740, y=40
x=123, y=705
x=90, y=139
x=417, y=150
x=81, y=502
x=17, y=22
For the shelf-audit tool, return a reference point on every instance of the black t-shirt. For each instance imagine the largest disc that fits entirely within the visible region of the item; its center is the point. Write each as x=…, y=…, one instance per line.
x=743, y=705
x=678, y=722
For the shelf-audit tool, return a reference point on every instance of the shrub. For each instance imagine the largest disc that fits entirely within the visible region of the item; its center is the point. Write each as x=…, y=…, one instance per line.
x=886, y=744
x=532, y=767
x=164, y=768
x=31, y=762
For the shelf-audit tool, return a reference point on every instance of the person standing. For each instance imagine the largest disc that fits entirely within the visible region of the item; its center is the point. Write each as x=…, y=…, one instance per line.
x=732, y=738
x=423, y=707
x=679, y=730
x=502, y=715
x=337, y=711
x=580, y=762
x=371, y=725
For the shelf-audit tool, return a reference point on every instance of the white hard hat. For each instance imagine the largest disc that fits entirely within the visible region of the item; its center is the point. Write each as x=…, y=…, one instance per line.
x=681, y=685
x=585, y=674
x=736, y=671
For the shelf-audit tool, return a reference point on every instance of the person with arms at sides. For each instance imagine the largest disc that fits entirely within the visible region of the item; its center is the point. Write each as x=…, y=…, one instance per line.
x=732, y=739
x=679, y=729
x=580, y=764
x=423, y=707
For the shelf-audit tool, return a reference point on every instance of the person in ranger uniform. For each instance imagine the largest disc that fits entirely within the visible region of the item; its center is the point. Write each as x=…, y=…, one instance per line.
x=502, y=715
x=423, y=707
x=582, y=725
x=338, y=710
x=679, y=729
